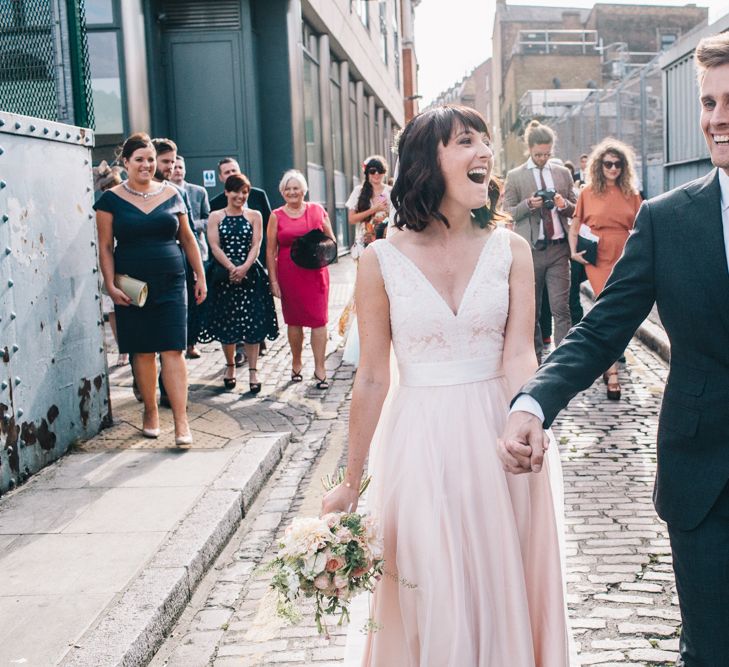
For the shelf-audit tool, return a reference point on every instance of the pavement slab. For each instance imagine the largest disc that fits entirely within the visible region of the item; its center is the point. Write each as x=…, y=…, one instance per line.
x=108, y=545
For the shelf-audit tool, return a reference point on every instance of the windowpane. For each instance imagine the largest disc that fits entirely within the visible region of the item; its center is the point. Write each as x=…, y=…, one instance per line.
x=312, y=111
x=336, y=95
x=106, y=82
x=99, y=11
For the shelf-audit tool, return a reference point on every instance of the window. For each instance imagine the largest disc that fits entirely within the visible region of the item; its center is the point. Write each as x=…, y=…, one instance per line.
x=667, y=41
x=107, y=76
x=356, y=157
x=363, y=11
x=383, y=31
x=312, y=110
x=336, y=112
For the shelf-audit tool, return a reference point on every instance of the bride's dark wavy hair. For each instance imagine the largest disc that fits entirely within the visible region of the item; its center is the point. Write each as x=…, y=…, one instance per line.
x=420, y=186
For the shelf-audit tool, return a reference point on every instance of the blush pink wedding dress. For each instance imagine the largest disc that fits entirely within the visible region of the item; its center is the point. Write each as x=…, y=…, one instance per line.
x=474, y=574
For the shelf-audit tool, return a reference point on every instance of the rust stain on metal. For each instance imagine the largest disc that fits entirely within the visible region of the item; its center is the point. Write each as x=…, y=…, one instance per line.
x=52, y=414
x=46, y=437
x=28, y=433
x=84, y=391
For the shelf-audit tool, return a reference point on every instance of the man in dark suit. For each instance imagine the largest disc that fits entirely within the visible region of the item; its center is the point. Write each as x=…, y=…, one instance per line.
x=677, y=257
x=258, y=201
x=544, y=223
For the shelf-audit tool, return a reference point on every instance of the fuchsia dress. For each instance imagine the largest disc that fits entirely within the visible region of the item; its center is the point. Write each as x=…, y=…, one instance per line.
x=304, y=292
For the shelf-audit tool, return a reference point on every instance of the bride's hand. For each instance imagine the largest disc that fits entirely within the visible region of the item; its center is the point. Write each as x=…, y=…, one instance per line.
x=340, y=499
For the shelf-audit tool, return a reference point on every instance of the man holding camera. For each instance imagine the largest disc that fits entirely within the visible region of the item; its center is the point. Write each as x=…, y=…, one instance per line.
x=539, y=196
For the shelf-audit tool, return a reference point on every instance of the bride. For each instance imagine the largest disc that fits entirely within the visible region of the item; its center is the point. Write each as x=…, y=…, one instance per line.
x=472, y=555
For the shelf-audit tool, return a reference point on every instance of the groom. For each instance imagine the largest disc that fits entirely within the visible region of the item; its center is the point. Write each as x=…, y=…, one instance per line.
x=677, y=257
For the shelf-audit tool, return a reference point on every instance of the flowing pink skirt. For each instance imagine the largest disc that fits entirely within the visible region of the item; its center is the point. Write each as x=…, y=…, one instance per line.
x=474, y=573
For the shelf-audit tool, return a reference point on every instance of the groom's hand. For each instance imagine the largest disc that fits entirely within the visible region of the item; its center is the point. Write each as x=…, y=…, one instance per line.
x=523, y=443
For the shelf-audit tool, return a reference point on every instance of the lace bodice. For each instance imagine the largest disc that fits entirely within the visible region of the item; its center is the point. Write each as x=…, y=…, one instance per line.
x=424, y=328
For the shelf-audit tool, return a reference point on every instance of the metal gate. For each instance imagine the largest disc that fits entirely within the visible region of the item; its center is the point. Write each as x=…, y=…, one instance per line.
x=53, y=377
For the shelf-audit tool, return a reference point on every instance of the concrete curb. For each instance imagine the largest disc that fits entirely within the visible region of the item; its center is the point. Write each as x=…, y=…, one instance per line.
x=650, y=334
x=132, y=628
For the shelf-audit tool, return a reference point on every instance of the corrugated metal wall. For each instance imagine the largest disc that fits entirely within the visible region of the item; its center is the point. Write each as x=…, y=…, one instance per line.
x=687, y=156
x=53, y=376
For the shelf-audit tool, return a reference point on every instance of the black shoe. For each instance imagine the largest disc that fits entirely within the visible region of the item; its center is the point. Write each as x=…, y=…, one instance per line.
x=321, y=383
x=262, y=349
x=164, y=401
x=240, y=359
x=230, y=382
x=255, y=387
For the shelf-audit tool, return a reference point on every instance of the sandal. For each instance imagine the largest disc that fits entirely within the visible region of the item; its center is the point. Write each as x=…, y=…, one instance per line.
x=255, y=387
x=321, y=383
x=613, y=388
x=230, y=382
x=296, y=376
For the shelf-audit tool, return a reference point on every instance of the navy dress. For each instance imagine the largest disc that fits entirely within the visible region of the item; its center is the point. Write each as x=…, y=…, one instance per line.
x=234, y=313
x=147, y=249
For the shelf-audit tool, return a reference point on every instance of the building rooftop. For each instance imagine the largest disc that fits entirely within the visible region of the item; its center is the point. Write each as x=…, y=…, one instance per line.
x=537, y=14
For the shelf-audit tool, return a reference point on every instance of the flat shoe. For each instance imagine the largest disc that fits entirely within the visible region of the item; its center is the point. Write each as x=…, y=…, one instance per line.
x=240, y=359
x=193, y=354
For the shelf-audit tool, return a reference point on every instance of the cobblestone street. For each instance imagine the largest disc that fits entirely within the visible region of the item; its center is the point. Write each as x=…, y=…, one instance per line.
x=621, y=595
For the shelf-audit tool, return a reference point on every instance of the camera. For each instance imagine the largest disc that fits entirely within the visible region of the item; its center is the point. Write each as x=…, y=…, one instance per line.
x=547, y=198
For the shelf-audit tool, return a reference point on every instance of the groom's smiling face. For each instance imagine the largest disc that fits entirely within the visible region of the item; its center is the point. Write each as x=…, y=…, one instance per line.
x=715, y=114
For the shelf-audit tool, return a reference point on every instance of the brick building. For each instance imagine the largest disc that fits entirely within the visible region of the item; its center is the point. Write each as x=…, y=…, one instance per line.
x=543, y=49
x=473, y=90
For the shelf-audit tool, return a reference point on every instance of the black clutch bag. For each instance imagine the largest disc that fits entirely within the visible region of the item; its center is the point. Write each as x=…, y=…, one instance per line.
x=216, y=273
x=313, y=250
x=587, y=242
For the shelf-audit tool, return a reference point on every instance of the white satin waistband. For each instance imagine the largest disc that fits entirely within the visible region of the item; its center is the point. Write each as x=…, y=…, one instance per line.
x=445, y=373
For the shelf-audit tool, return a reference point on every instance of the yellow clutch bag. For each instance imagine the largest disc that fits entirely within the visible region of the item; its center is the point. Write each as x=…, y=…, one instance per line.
x=136, y=290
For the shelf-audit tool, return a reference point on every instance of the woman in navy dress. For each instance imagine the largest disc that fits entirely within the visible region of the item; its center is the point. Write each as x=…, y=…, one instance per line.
x=240, y=306
x=147, y=219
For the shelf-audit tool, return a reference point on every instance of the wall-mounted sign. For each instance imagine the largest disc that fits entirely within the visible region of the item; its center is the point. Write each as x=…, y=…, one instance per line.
x=209, y=178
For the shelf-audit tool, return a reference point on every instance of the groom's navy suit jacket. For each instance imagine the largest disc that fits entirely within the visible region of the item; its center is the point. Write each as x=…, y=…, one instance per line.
x=676, y=258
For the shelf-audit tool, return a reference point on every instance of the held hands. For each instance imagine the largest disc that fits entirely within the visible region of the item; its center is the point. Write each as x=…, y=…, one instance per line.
x=534, y=203
x=522, y=444
x=237, y=274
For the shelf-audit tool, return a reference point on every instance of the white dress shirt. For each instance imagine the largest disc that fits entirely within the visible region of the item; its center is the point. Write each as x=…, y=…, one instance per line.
x=549, y=182
x=526, y=403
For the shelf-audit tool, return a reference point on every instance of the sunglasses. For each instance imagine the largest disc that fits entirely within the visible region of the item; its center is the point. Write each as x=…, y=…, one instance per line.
x=375, y=170
x=612, y=164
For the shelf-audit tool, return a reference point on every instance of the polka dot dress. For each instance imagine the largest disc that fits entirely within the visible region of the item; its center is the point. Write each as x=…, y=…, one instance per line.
x=239, y=313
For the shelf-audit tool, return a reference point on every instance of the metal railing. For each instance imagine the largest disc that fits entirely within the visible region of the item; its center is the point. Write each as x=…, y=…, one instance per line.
x=44, y=60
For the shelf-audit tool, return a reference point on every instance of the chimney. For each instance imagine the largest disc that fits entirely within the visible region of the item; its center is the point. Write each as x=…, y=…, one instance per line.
x=571, y=20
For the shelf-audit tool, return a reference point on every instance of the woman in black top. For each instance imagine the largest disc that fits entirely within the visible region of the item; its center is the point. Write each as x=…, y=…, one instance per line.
x=147, y=219
x=240, y=306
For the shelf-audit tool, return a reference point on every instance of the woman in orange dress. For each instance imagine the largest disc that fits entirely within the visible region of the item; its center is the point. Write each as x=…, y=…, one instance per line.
x=608, y=206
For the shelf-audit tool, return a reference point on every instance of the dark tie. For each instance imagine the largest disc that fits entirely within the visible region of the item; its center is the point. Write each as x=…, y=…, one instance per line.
x=547, y=218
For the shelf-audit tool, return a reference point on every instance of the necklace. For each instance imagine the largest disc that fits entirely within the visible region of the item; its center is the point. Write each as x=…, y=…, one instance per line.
x=295, y=212
x=144, y=195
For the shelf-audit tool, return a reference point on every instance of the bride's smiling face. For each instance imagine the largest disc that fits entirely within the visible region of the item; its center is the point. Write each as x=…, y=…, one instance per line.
x=466, y=162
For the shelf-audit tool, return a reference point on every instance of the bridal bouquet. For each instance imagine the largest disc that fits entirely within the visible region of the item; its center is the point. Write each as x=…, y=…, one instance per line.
x=330, y=559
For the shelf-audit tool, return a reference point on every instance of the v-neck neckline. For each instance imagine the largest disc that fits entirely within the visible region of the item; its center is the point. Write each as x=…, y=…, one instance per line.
x=142, y=211
x=469, y=284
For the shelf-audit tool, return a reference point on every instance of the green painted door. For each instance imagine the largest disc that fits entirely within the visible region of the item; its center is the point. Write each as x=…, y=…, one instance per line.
x=205, y=88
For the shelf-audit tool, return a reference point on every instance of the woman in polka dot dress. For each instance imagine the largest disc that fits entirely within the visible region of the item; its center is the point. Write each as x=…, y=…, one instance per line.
x=239, y=306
